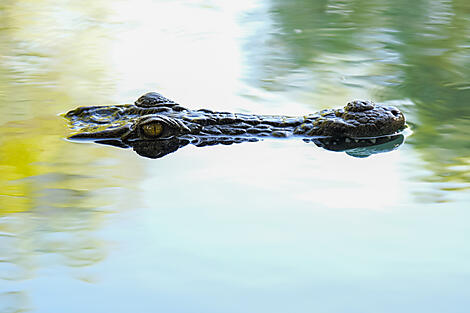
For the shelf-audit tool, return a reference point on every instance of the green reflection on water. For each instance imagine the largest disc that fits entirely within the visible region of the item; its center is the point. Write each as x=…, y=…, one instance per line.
x=416, y=54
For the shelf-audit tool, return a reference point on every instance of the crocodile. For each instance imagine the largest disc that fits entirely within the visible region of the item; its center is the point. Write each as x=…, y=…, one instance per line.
x=155, y=126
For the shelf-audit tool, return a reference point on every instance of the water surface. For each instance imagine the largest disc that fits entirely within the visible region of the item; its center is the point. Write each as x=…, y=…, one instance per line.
x=273, y=226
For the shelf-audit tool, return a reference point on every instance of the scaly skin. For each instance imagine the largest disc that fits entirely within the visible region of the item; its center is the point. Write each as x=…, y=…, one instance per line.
x=156, y=118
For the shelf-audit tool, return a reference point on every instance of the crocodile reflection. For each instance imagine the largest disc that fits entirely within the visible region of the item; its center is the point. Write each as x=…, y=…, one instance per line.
x=155, y=126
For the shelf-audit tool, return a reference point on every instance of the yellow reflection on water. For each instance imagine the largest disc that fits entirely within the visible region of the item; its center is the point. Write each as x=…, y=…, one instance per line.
x=54, y=195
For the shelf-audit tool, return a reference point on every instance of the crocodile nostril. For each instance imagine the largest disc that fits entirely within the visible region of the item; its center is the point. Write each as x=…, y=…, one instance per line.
x=395, y=112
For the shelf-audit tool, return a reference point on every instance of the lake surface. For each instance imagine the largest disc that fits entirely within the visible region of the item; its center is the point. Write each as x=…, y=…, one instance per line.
x=272, y=226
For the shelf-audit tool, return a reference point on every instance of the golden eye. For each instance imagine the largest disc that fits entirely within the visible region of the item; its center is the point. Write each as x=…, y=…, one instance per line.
x=152, y=129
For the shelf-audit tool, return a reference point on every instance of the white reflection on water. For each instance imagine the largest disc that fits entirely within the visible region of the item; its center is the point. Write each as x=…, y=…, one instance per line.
x=296, y=170
x=183, y=50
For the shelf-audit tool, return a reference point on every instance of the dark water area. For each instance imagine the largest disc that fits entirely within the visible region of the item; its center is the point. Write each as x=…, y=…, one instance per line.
x=271, y=226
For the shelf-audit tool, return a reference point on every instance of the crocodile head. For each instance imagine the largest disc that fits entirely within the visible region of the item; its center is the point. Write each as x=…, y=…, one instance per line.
x=155, y=126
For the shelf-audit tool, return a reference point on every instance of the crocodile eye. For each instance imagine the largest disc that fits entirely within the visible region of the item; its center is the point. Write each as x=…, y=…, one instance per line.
x=152, y=129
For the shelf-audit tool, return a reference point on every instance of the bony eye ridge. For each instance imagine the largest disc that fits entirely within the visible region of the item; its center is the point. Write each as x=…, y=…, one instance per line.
x=153, y=129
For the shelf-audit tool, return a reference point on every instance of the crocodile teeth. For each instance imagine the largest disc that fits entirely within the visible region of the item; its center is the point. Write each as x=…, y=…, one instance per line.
x=356, y=140
x=373, y=140
x=347, y=140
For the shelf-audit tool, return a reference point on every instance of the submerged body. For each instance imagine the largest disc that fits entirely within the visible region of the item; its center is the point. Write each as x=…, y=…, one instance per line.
x=154, y=118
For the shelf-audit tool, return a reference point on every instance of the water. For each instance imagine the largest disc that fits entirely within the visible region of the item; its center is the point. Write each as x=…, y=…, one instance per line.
x=273, y=226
